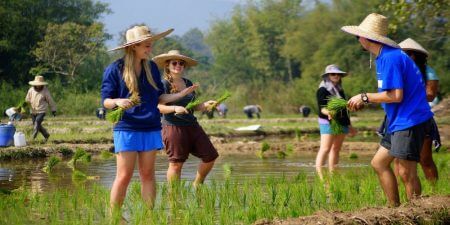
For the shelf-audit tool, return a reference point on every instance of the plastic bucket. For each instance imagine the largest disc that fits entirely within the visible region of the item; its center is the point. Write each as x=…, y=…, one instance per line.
x=19, y=139
x=7, y=134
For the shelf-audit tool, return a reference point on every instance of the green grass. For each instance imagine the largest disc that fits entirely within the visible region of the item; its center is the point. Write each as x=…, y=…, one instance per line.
x=224, y=202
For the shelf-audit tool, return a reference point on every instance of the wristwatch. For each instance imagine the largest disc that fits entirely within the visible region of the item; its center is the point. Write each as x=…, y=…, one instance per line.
x=364, y=98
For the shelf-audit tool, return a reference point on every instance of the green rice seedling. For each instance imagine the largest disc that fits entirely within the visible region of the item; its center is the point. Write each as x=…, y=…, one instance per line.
x=116, y=115
x=353, y=156
x=86, y=158
x=298, y=133
x=281, y=154
x=79, y=154
x=106, y=154
x=23, y=107
x=78, y=175
x=50, y=164
x=265, y=146
x=289, y=149
x=191, y=105
x=227, y=170
x=221, y=99
x=335, y=106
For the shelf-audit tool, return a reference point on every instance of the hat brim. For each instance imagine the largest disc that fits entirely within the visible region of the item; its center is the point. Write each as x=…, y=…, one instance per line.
x=160, y=60
x=355, y=30
x=343, y=74
x=37, y=83
x=151, y=37
x=417, y=50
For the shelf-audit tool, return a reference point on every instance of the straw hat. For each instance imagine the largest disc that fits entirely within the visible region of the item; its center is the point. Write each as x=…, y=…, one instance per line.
x=373, y=27
x=38, y=81
x=160, y=60
x=410, y=44
x=138, y=34
x=333, y=69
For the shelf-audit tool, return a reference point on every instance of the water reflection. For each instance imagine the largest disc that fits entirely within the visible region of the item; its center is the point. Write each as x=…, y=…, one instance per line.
x=15, y=174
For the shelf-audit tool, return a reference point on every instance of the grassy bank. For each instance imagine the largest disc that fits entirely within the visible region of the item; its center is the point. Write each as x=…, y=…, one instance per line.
x=218, y=202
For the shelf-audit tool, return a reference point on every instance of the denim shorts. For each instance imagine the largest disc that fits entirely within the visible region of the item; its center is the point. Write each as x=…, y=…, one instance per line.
x=406, y=144
x=137, y=141
x=326, y=129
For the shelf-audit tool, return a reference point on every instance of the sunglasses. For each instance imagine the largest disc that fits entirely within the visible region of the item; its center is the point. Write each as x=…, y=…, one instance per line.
x=357, y=38
x=333, y=74
x=174, y=63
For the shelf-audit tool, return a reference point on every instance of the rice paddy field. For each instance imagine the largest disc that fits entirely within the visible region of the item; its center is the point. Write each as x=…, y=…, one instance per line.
x=248, y=184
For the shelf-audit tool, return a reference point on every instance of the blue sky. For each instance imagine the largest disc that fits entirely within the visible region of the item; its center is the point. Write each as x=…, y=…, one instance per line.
x=181, y=15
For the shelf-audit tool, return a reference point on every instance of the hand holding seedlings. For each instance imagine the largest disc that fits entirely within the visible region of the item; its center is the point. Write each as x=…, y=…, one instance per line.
x=180, y=110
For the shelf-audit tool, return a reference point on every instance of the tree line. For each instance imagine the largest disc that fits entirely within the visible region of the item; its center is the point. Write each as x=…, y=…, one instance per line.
x=268, y=52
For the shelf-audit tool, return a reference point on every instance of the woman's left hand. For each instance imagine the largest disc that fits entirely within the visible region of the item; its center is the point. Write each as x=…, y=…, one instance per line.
x=352, y=131
x=209, y=105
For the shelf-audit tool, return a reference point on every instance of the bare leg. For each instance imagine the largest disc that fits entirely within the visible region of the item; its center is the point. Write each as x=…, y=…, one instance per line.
x=426, y=161
x=174, y=171
x=146, y=162
x=202, y=172
x=326, y=141
x=408, y=172
x=381, y=164
x=125, y=167
x=333, y=157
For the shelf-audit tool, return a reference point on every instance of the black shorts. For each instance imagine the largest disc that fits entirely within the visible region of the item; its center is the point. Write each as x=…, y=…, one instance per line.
x=406, y=144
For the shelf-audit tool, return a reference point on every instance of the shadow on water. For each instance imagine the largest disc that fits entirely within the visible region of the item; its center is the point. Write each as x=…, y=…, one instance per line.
x=28, y=173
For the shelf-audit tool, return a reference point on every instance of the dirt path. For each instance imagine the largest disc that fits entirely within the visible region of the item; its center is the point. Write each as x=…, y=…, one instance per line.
x=426, y=210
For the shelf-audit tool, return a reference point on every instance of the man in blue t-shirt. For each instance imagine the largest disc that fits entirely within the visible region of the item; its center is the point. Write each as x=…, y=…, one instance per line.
x=402, y=95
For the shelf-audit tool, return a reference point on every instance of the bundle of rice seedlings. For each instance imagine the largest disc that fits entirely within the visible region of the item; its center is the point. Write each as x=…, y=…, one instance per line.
x=78, y=175
x=22, y=107
x=79, y=154
x=191, y=105
x=222, y=98
x=50, y=164
x=106, y=154
x=335, y=106
x=116, y=114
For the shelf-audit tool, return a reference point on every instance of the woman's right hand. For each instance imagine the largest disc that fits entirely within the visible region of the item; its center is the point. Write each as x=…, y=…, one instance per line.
x=123, y=103
x=189, y=90
x=180, y=110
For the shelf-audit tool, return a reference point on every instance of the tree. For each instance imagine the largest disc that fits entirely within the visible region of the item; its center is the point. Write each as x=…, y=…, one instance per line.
x=66, y=46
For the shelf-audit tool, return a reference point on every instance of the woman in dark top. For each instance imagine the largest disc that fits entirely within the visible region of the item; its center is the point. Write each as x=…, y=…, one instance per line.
x=137, y=136
x=182, y=135
x=331, y=143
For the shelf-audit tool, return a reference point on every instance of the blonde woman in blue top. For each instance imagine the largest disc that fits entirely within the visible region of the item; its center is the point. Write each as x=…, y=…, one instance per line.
x=137, y=135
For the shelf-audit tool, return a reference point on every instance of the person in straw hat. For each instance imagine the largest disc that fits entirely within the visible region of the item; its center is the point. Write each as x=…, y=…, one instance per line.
x=182, y=134
x=420, y=55
x=133, y=83
x=331, y=143
x=402, y=94
x=39, y=98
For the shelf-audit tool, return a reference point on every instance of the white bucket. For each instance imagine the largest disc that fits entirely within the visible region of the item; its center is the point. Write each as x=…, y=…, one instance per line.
x=19, y=139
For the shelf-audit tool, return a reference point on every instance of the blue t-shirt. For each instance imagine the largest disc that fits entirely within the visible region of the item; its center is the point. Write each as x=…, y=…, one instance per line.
x=143, y=117
x=431, y=74
x=395, y=70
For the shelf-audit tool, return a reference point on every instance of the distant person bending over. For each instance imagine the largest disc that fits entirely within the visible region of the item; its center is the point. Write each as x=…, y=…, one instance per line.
x=419, y=55
x=249, y=110
x=13, y=114
x=137, y=135
x=304, y=110
x=39, y=98
x=222, y=109
x=401, y=91
x=331, y=143
x=182, y=134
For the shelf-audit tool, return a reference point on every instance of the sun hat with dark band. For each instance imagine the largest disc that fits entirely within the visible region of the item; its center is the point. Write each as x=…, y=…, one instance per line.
x=410, y=44
x=38, y=81
x=374, y=27
x=138, y=34
x=333, y=69
x=160, y=60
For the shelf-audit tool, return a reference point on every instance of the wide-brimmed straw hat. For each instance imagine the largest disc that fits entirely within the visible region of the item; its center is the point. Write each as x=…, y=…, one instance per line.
x=138, y=34
x=333, y=69
x=410, y=44
x=160, y=60
x=374, y=27
x=38, y=81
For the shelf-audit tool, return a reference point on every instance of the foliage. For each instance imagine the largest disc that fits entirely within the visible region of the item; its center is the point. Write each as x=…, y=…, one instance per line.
x=66, y=46
x=24, y=23
x=50, y=164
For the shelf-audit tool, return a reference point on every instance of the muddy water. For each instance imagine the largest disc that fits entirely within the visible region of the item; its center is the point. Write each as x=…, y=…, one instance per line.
x=29, y=173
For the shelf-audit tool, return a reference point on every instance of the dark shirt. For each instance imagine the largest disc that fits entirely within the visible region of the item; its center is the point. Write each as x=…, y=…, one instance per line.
x=144, y=117
x=322, y=99
x=179, y=119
